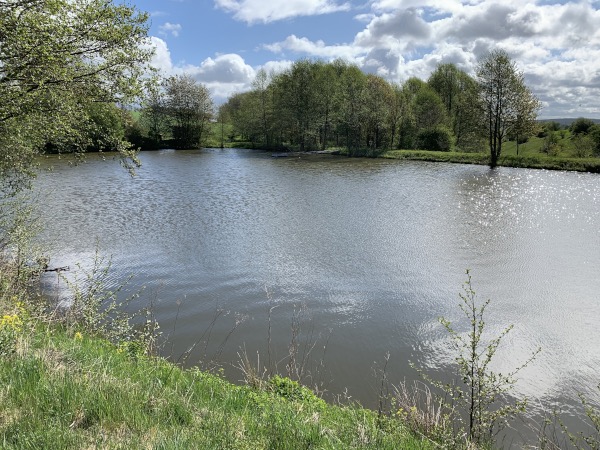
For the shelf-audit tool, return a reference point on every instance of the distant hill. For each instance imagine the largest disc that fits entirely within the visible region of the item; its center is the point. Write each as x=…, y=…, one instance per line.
x=565, y=122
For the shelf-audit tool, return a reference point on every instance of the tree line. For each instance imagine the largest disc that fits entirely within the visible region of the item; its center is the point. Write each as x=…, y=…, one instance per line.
x=315, y=105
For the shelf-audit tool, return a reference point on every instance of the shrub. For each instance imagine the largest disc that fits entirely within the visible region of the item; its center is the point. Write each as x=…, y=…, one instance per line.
x=550, y=145
x=438, y=139
x=584, y=146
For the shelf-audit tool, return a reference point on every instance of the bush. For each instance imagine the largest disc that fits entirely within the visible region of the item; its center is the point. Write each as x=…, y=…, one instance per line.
x=438, y=139
x=550, y=145
x=584, y=146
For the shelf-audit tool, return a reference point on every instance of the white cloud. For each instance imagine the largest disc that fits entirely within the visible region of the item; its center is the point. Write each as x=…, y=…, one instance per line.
x=274, y=67
x=253, y=11
x=161, y=59
x=170, y=28
x=223, y=75
x=556, y=45
x=317, y=49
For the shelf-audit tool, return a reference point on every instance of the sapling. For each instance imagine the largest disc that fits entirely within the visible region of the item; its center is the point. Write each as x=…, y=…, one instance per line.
x=480, y=397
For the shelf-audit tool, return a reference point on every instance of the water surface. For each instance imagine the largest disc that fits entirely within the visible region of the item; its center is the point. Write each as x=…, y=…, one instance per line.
x=372, y=252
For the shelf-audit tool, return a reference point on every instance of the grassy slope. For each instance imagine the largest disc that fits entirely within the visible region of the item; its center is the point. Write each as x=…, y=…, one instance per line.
x=65, y=391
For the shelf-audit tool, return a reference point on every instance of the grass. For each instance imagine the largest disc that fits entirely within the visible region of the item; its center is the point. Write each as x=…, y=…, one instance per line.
x=526, y=160
x=61, y=390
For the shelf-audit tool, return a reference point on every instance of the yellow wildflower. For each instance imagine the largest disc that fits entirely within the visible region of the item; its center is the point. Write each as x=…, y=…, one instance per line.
x=11, y=321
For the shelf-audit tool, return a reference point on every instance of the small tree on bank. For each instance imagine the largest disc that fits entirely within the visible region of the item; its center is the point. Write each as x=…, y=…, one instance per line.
x=189, y=108
x=479, y=403
x=506, y=102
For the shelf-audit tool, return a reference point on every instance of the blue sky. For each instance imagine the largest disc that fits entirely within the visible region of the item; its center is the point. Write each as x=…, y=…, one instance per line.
x=222, y=43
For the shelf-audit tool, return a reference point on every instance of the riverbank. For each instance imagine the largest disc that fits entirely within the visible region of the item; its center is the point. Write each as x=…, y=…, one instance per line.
x=64, y=389
x=526, y=161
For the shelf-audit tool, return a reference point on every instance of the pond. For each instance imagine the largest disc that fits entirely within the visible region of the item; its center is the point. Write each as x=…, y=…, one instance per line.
x=239, y=252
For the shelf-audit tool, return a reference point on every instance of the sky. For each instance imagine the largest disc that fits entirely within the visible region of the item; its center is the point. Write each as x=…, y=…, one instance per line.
x=223, y=43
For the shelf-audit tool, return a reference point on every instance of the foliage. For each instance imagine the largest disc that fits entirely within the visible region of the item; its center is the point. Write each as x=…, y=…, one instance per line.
x=591, y=439
x=459, y=92
x=581, y=125
x=95, y=309
x=438, y=138
x=552, y=126
x=314, y=105
x=551, y=145
x=429, y=111
x=584, y=145
x=57, y=58
x=294, y=391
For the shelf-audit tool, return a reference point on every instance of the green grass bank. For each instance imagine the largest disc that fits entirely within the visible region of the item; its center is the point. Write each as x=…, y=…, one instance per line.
x=530, y=161
x=62, y=389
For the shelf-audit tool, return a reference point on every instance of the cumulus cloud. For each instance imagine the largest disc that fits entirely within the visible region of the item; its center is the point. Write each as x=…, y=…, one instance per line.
x=556, y=44
x=223, y=74
x=253, y=11
x=402, y=26
x=317, y=49
x=170, y=28
x=161, y=60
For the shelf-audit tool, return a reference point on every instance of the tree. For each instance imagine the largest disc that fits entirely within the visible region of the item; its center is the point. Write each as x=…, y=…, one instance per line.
x=298, y=102
x=377, y=98
x=458, y=91
x=328, y=76
x=223, y=115
x=397, y=113
x=189, y=107
x=438, y=138
x=264, y=103
x=241, y=108
x=428, y=109
x=154, y=116
x=56, y=58
x=480, y=396
x=594, y=134
x=506, y=101
x=352, y=82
